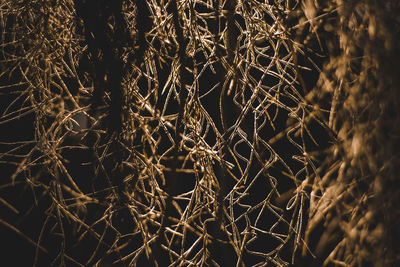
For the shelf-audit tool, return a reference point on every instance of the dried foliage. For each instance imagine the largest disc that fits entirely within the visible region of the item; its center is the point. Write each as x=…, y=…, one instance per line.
x=197, y=133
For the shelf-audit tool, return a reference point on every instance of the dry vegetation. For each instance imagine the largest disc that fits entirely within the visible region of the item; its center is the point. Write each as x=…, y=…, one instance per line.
x=201, y=133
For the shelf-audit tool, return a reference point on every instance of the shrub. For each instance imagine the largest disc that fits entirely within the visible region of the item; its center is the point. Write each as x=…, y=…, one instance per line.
x=201, y=132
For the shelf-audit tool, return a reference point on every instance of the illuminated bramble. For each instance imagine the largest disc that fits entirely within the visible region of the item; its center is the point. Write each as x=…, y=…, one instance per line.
x=202, y=132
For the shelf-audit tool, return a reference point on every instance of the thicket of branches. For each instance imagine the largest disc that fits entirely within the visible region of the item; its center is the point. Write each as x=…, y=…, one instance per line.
x=186, y=133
